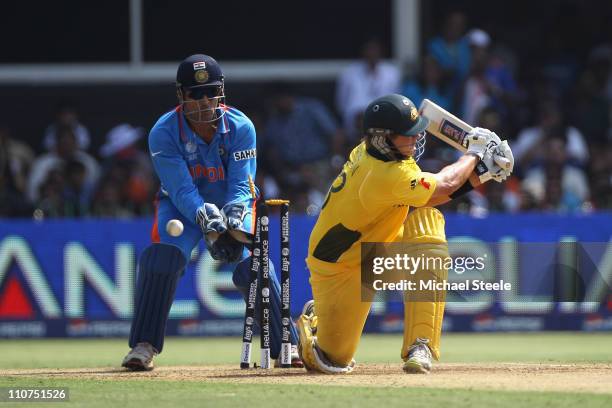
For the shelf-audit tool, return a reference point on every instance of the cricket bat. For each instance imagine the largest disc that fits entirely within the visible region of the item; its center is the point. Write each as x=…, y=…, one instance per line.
x=451, y=130
x=444, y=125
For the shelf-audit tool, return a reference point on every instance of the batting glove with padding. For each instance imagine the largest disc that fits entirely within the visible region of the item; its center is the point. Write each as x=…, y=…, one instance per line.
x=497, y=163
x=479, y=140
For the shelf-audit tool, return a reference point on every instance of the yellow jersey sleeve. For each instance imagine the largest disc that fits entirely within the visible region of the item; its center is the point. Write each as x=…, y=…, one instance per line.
x=415, y=188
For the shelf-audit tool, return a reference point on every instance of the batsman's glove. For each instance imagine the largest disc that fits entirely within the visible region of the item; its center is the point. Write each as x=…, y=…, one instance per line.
x=211, y=221
x=497, y=163
x=479, y=140
x=502, y=154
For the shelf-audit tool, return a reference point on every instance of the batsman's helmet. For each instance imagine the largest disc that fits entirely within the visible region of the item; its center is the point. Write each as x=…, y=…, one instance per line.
x=390, y=115
x=197, y=76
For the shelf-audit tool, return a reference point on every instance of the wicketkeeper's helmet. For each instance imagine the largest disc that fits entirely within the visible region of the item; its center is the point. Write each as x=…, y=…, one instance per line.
x=200, y=75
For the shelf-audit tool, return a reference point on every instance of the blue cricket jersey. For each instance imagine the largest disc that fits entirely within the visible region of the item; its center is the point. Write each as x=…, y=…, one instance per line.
x=193, y=172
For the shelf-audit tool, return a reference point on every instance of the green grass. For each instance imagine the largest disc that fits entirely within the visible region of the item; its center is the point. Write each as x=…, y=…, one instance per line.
x=498, y=347
x=105, y=394
x=515, y=347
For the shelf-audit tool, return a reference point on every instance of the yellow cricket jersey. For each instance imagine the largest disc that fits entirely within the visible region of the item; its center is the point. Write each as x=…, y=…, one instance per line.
x=367, y=202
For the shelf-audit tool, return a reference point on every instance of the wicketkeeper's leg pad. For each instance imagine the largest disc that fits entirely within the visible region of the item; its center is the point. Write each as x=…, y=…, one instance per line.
x=159, y=270
x=424, y=228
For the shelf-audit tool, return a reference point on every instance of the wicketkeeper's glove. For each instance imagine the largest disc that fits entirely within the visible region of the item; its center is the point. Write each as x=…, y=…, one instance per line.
x=211, y=221
x=226, y=249
x=234, y=214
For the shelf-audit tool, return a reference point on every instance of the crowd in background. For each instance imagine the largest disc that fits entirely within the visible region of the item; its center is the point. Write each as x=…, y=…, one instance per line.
x=558, y=124
x=68, y=181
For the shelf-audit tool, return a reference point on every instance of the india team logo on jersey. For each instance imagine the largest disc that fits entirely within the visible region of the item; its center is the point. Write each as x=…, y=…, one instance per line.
x=190, y=147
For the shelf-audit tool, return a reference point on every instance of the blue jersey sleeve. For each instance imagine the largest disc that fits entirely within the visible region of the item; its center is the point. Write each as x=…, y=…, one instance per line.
x=242, y=163
x=173, y=173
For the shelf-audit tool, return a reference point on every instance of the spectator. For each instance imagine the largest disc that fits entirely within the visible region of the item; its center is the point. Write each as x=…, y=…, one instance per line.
x=130, y=167
x=490, y=82
x=561, y=65
x=452, y=51
x=429, y=84
x=76, y=193
x=604, y=53
x=15, y=161
x=601, y=177
x=66, y=116
x=51, y=200
x=107, y=201
x=298, y=142
x=591, y=110
x=65, y=150
x=557, y=184
x=362, y=82
x=530, y=146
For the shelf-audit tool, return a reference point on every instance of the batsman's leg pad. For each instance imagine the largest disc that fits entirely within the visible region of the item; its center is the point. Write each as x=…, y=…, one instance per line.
x=241, y=279
x=159, y=269
x=424, y=228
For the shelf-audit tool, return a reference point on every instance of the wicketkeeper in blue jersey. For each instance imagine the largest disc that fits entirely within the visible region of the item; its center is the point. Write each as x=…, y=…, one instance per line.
x=204, y=154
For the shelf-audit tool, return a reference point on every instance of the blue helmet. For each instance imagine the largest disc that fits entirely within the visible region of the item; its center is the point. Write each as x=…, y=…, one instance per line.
x=197, y=76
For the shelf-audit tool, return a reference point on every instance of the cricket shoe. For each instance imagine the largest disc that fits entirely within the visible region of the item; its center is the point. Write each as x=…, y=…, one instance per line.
x=419, y=357
x=313, y=357
x=309, y=311
x=140, y=358
x=306, y=325
x=296, y=361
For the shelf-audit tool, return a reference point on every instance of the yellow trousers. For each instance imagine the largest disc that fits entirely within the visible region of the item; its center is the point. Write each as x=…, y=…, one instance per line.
x=341, y=312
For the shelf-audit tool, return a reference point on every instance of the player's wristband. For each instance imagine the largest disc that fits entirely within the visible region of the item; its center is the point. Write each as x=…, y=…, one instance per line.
x=465, y=188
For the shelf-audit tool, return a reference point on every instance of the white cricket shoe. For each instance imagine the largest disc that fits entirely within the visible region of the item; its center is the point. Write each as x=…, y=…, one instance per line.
x=419, y=357
x=140, y=358
x=309, y=308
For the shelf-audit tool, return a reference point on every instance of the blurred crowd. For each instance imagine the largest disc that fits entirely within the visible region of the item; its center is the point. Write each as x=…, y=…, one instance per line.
x=558, y=123
x=68, y=181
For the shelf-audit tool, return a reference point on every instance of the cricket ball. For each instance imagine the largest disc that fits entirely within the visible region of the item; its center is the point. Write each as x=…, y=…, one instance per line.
x=174, y=228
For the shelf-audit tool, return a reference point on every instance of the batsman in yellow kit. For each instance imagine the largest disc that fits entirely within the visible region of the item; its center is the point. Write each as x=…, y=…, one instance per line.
x=369, y=202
